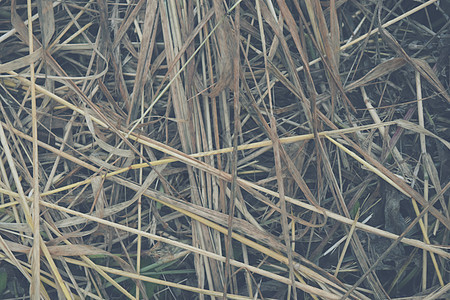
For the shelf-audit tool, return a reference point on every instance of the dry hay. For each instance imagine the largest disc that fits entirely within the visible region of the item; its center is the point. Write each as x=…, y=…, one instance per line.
x=169, y=149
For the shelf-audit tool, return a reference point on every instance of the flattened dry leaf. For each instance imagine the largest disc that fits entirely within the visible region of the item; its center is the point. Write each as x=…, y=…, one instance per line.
x=21, y=62
x=128, y=20
x=72, y=234
x=15, y=227
x=20, y=27
x=421, y=66
x=99, y=195
x=428, y=73
x=18, y=24
x=105, y=146
x=76, y=250
x=102, y=163
x=416, y=128
x=15, y=247
x=145, y=56
x=46, y=19
x=228, y=47
x=434, y=176
x=335, y=38
x=62, y=250
x=73, y=221
x=114, y=150
x=380, y=70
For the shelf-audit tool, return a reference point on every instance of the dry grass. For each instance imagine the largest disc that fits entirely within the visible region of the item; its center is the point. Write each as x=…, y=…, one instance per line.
x=224, y=149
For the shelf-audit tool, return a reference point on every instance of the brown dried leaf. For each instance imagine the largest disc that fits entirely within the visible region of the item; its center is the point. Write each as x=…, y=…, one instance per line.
x=380, y=70
x=419, y=129
x=434, y=176
x=62, y=250
x=227, y=50
x=21, y=62
x=427, y=72
x=127, y=21
x=99, y=195
x=76, y=250
x=419, y=65
x=145, y=55
x=47, y=20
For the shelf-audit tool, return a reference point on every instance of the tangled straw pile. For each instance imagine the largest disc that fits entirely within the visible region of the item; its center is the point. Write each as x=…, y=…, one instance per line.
x=224, y=149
